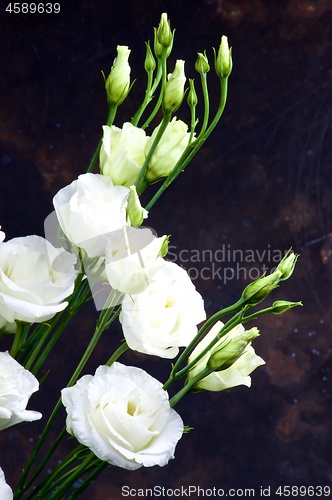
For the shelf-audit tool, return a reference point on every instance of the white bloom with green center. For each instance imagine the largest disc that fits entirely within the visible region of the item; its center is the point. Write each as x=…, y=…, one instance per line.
x=16, y=387
x=123, y=415
x=165, y=316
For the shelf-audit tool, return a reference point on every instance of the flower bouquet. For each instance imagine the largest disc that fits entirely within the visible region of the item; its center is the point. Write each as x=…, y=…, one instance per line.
x=99, y=248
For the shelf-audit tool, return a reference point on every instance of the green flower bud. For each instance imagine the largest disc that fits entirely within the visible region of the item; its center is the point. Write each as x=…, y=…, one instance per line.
x=238, y=372
x=164, y=247
x=202, y=64
x=192, y=96
x=164, y=34
x=135, y=212
x=287, y=264
x=174, y=88
x=281, y=306
x=118, y=81
x=260, y=288
x=223, y=60
x=227, y=352
x=150, y=63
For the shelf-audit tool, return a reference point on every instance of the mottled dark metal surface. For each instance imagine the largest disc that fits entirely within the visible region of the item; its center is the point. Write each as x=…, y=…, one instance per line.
x=262, y=183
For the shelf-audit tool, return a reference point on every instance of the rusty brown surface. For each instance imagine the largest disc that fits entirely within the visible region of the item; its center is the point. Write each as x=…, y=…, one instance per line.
x=262, y=182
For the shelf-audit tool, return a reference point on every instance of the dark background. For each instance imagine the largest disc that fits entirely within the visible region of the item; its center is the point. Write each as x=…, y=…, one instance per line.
x=262, y=181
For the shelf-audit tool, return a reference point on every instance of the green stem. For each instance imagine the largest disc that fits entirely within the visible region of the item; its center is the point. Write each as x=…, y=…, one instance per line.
x=72, y=477
x=148, y=97
x=162, y=65
x=187, y=388
x=120, y=350
x=22, y=330
x=192, y=149
x=140, y=180
x=110, y=119
x=105, y=319
x=95, y=473
x=206, y=102
x=213, y=319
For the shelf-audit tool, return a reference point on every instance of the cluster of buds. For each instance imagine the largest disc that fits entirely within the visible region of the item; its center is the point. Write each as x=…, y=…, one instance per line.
x=117, y=83
x=260, y=288
x=225, y=357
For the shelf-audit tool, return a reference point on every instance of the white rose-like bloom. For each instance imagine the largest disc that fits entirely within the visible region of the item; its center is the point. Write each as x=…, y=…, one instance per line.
x=165, y=316
x=6, y=493
x=237, y=374
x=129, y=270
x=16, y=386
x=123, y=415
x=173, y=142
x=35, y=278
x=2, y=236
x=90, y=208
x=122, y=153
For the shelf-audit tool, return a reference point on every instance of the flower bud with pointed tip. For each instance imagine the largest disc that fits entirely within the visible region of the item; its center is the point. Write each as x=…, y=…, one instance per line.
x=118, y=82
x=174, y=88
x=223, y=60
x=192, y=96
x=287, y=264
x=149, y=63
x=281, y=306
x=260, y=288
x=164, y=247
x=163, y=33
x=237, y=374
x=202, y=64
x=135, y=212
x=227, y=352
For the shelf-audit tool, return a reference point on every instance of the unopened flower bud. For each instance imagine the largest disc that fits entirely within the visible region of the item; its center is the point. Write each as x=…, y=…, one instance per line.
x=164, y=34
x=281, y=306
x=118, y=81
x=260, y=288
x=287, y=264
x=223, y=60
x=174, y=88
x=227, y=352
x=202, y=63
x=150, y=63
x=135, y=212
x=192, y=96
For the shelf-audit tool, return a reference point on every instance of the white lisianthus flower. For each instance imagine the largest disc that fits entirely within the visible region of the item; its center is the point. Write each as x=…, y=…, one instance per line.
x=35, y=279
x=2, y=236
x=6, y=493
x=237, y=374
x=122, y=153
x=16, y=387
x=168, y=151
x=89, y=209
x=165, y=316
x=123, y=415
x=132, y=261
